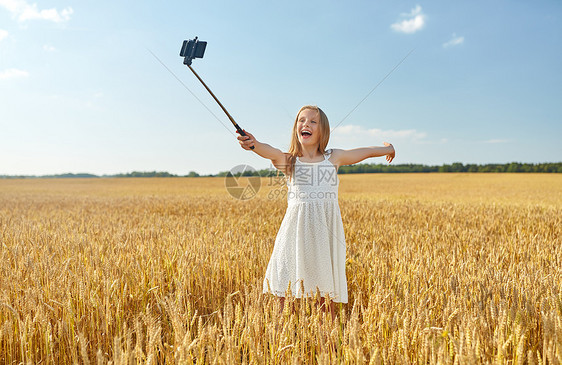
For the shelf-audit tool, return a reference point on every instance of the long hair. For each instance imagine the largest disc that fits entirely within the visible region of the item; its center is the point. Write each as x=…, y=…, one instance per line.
x=295, y=148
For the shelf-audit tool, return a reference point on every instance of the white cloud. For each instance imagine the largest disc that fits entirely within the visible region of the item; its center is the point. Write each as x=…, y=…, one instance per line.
x=11, y=5
x=415, y=21
x=415, y=11
x=354, y=133
x=13, y=73
x=454, y=41
x=49, y=48
x=23, y=11
x=3, y=34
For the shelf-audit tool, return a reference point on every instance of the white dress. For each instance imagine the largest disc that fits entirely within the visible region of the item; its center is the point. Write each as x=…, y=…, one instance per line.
x=309, y=251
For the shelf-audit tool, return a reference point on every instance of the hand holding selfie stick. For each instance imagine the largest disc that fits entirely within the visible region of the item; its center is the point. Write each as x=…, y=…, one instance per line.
x=195, y=49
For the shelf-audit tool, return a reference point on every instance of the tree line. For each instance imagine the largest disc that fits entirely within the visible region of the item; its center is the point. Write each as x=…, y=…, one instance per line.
x=454, y=167
x=555, y=167
x=514, y=167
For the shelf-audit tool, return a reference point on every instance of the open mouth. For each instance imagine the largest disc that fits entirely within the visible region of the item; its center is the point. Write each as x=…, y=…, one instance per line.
x=306, y=134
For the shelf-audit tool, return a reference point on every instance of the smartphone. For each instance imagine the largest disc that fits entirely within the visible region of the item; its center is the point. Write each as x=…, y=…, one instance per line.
x=191, y=49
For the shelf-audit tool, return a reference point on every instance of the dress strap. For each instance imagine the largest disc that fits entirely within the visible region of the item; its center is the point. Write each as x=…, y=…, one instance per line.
x=327, y=154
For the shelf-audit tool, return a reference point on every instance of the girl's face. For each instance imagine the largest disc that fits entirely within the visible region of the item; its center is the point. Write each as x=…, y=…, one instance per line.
x=308, y=127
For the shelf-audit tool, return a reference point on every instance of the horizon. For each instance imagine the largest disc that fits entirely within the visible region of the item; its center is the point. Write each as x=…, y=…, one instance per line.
x=81, y=90
x=271, y=168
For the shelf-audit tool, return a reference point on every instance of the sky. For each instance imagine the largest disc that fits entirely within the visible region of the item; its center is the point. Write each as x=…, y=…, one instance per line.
x=99, y=87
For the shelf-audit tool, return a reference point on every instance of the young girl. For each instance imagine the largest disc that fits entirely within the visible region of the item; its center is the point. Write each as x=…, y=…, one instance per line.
x=309, y=251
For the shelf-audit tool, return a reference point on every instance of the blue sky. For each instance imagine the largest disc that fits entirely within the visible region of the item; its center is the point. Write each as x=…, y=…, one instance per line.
x=81, y=92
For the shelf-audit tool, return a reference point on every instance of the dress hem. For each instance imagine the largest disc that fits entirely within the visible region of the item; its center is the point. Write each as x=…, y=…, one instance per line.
x=299, y=295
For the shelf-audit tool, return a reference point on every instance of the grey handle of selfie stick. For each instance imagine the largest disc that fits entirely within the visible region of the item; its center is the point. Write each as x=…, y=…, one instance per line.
x=238, y=129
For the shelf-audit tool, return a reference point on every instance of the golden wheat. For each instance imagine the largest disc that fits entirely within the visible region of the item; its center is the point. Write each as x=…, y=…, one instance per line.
x=442, y=268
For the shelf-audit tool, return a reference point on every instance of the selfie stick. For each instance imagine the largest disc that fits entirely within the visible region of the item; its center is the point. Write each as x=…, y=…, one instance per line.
x=195, y=49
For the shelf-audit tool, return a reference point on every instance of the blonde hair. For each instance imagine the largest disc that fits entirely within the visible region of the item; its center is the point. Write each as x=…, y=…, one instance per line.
x=295, y=147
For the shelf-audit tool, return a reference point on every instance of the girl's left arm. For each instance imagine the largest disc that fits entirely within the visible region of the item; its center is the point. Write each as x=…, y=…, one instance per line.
x=353, y=156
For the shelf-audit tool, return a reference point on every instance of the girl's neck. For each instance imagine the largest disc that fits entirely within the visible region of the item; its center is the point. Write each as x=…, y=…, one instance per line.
x=310, y=152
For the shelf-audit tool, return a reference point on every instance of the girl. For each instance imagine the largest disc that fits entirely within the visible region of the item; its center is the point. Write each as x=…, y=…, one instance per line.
x=309, y=251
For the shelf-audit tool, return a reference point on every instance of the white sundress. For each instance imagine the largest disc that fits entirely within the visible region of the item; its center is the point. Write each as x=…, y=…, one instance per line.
x=309, y=250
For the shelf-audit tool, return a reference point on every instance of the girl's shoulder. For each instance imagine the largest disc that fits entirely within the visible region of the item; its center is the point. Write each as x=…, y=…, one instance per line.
x=334, y=150
x=333, y=154
x=282, y=163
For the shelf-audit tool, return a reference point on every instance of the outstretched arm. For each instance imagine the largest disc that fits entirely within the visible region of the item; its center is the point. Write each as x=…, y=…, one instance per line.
x=278, y=158
x=350, y=157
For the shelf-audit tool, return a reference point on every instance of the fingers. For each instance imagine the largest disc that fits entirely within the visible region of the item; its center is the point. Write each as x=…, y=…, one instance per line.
x=245, y=138
x=247, y=141
x=392, y=154
x=248, y=134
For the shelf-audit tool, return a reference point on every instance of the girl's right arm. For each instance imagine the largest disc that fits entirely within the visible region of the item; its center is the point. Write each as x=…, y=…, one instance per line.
x=278, y=158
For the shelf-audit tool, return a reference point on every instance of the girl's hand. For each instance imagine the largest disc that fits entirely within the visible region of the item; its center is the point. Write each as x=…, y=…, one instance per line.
x=246, y=141
x=389, y=156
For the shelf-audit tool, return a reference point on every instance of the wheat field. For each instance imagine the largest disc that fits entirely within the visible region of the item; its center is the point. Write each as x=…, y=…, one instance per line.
x=441, y=268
